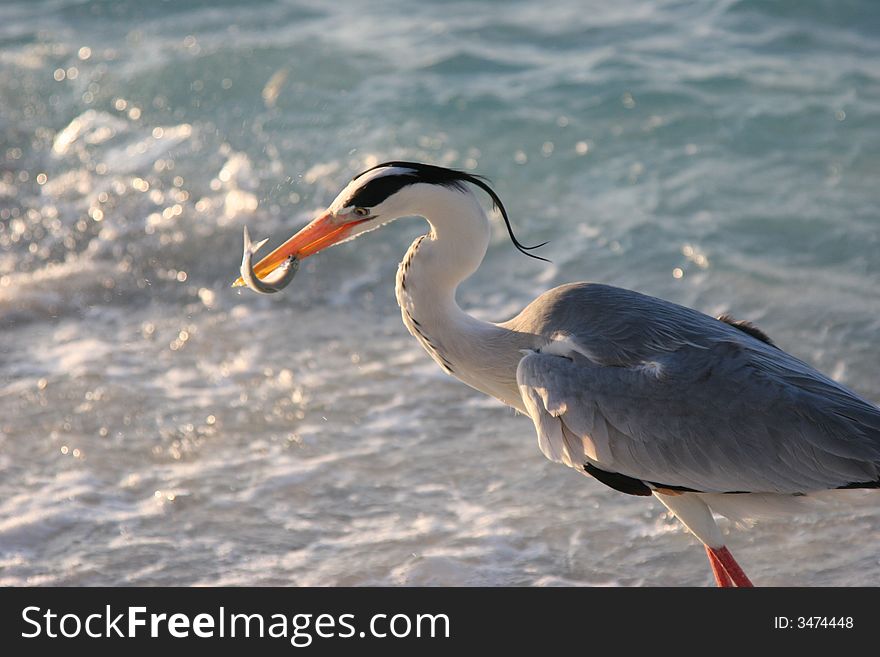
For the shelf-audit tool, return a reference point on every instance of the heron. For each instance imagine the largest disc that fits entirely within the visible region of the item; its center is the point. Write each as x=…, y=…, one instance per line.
x=651, y=398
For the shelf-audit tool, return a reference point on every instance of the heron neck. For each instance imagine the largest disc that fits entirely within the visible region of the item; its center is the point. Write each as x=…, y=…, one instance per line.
x=481, y=354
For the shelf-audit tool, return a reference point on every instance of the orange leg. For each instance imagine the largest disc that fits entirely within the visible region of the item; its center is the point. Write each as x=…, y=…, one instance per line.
x=722, y=579
x=727, y=571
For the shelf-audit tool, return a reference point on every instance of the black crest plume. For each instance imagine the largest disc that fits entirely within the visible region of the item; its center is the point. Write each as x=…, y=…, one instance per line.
x=429, y=173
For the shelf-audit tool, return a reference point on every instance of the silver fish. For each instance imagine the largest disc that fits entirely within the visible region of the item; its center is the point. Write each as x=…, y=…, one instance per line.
x=274, y=282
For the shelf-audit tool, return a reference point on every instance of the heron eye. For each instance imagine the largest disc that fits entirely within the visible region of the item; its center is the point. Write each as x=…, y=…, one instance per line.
x=362, y=212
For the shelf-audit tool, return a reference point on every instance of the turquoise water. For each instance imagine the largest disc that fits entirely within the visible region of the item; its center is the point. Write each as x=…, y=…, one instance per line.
x=158, y=427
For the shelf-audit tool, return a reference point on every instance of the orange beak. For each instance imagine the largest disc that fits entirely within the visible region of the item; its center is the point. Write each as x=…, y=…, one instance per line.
x=314, y=237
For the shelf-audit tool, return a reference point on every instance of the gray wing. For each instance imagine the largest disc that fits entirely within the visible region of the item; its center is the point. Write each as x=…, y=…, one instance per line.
x=677, y=399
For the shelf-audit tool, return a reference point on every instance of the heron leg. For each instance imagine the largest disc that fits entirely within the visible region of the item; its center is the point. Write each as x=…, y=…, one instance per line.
x=722, y=579
x=732, y=571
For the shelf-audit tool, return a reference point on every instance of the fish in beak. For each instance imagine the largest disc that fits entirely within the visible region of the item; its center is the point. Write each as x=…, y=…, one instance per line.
x=277, y=269
x=273, y=282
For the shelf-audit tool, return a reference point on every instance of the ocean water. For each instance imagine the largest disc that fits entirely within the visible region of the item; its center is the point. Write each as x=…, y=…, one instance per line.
x=159, y=427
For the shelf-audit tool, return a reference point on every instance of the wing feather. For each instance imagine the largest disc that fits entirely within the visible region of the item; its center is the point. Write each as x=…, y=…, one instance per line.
x=714, y=412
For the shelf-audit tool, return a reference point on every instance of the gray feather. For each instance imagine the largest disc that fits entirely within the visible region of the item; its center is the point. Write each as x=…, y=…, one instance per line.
x=671, y=395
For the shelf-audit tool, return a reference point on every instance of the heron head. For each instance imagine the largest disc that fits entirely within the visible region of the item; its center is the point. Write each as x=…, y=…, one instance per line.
x=373, y=198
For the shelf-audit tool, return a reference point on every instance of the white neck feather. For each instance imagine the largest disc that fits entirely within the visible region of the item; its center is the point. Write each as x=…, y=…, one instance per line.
x=481, y=354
